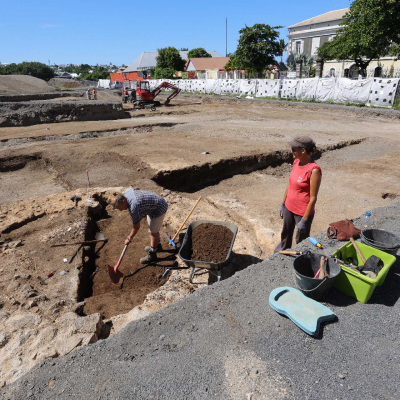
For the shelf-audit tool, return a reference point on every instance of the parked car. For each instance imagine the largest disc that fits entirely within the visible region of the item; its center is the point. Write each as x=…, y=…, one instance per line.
x=116, y=85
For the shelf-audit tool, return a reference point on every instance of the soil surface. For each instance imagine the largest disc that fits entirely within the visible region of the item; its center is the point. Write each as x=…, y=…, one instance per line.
x=233, y=154
x=111, y=299
x=211, y=243
x=23, y=84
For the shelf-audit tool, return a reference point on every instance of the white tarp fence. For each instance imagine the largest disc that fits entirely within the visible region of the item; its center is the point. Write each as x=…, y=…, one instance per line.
x=104, y=83
x=377, y=92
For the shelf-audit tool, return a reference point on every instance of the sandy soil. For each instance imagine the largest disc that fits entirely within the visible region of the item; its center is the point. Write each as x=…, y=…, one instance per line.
x=23, y=84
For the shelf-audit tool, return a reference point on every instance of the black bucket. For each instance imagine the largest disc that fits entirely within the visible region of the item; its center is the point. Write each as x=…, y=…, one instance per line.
x=305, y=268
x=381, y=240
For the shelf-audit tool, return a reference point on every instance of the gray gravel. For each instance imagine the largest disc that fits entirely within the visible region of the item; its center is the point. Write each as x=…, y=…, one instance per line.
x=225, y=342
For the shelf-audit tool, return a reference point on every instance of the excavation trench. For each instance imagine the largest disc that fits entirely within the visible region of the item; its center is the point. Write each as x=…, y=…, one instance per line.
x=22, y=142
x=197, y=177
x=100, y=294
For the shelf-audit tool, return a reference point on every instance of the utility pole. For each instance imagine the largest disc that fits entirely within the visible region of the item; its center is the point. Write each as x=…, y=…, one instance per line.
x=226, y=37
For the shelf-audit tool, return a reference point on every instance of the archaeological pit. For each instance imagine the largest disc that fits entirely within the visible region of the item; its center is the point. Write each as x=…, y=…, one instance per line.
x=233, y=153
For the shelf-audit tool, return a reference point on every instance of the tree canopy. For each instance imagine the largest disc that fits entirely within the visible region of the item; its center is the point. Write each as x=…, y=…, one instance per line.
x=36, y=69
x=257, y=48
x=164, y=73
x=199, y=52
x=370, y=30
x=169, y=57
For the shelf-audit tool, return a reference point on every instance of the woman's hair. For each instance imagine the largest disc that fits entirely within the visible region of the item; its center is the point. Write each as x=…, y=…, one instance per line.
x=119, y=199
x=311, y=150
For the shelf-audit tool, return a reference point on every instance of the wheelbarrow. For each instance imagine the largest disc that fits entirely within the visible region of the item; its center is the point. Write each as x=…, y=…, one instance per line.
x=186, y=250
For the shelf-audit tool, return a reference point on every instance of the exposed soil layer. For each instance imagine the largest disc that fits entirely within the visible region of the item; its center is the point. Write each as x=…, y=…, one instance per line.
x=110, y=299
x=31, y=113
x=211, y=243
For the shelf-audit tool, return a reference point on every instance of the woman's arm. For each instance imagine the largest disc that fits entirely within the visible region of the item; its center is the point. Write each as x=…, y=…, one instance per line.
x=285, y=195
x=315, y=182
x=133, y=233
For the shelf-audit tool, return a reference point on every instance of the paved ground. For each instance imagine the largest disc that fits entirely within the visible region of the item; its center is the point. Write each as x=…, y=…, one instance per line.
x=225, y=342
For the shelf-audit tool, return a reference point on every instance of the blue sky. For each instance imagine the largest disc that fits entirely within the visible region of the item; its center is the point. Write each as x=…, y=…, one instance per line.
x=98, y=31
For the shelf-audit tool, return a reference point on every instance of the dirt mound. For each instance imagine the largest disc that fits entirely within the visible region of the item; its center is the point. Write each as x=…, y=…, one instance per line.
x=24, y=84
x=66, y=83
x=211, y=243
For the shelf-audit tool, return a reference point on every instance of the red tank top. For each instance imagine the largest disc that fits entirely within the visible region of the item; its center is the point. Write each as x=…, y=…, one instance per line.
x=298, y=195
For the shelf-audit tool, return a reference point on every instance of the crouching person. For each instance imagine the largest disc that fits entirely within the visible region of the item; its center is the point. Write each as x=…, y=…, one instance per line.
x=141, y=203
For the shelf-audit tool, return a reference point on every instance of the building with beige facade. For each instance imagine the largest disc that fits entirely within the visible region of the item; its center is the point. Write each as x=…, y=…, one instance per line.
x=307, y=36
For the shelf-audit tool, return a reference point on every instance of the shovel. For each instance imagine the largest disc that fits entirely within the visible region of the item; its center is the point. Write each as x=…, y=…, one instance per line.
x=373, y=264
x=99, y=238
x=184, y=222
x=116, y=275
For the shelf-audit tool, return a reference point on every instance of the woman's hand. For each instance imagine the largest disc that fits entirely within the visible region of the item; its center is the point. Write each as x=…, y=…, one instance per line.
x=281, y=210
x=302, y=225
x=127, y=241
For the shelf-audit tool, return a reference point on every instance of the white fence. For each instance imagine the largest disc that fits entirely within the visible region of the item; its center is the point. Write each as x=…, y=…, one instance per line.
x=377, y=92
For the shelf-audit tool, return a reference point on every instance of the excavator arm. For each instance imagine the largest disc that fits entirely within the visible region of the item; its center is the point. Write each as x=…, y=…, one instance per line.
x=166, y=85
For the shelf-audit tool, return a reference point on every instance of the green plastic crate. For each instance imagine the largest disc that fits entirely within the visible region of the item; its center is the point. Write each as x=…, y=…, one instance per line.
x=352, y=282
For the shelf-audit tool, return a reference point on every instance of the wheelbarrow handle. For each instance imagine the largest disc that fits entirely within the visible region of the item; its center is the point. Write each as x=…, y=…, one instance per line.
x=184, y=222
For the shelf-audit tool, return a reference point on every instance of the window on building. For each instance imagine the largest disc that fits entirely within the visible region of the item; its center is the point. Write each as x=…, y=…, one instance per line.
x=332, y=72
x=314, y=45
x=298, y=46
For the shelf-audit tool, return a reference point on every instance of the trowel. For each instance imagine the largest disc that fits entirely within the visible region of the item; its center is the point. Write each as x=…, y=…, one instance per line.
x=99, y=238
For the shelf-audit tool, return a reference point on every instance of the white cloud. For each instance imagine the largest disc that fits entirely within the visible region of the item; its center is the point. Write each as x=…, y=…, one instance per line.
x=49, y=26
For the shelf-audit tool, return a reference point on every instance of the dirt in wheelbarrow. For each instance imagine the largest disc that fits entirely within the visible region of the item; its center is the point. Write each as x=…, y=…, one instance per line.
x=211, y=243
x=111, y=299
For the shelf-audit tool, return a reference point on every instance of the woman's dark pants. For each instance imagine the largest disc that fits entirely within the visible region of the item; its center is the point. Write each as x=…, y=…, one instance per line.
x=289, y=223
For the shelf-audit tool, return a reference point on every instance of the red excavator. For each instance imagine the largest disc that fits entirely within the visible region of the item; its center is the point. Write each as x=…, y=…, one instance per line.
x=142, y=97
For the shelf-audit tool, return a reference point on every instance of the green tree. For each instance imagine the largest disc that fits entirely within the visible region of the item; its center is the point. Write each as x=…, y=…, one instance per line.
x=233, y=64
x=199, y=52
x=169, y=57
x=164, y=73
x=257, y=48
x=370, y=30
x=36, y=69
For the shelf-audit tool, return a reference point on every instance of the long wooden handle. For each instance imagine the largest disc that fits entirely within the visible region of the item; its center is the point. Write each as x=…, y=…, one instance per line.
x=122, y=256
x=290, y=253
x=361, y=255
x=87, y=242
x=184, y=222
x=321, y=269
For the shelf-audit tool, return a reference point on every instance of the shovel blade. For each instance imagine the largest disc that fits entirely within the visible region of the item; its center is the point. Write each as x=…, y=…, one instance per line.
x=99, y=236
x=116, y=276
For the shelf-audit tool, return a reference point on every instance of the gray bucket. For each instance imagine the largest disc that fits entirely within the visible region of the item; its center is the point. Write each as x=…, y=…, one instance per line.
x=306, y=266
x=381, y=240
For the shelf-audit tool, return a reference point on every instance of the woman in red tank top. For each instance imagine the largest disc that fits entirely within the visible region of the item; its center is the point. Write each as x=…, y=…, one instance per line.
x=301, y=193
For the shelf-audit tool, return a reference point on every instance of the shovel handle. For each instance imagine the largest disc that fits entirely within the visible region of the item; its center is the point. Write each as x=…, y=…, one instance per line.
x=87, y=242
x=322, y=268
x=290, y=253
x=184, y=222
x=361, y=255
